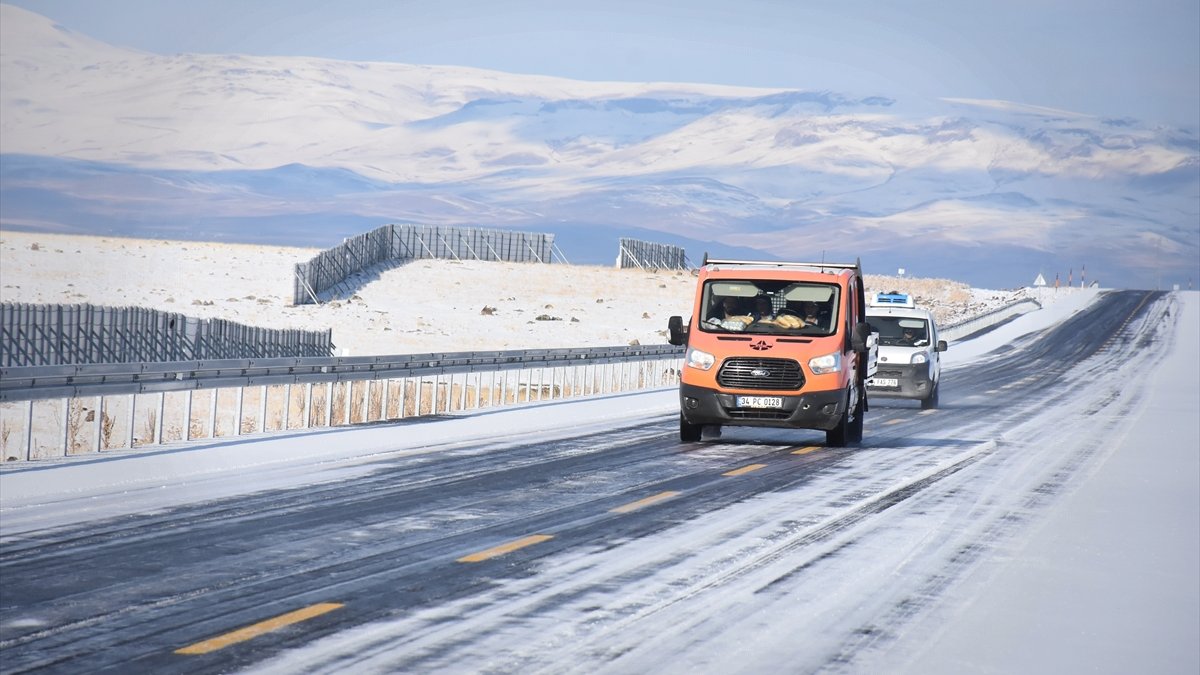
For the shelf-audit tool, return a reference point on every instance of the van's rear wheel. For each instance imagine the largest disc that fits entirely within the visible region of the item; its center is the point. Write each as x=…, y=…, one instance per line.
x=689, y=433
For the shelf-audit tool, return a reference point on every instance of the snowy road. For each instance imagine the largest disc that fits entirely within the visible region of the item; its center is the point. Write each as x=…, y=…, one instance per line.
x=602, y=544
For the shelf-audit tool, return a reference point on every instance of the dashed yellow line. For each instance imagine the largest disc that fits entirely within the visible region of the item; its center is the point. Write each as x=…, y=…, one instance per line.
x=805, y=451
x=744, y=469
x=895, y=421
x=927, y=412
x=642, y=503
x=505, y=548
x=253, y=631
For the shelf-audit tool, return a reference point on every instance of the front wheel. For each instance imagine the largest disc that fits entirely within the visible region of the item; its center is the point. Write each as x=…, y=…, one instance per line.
x=849, y=429
x=930, y=402
x=689, y=433
x=856, y=424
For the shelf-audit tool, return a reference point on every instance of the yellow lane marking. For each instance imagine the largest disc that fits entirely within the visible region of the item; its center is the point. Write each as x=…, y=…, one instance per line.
x=805, y=451
x=992, y=391
x=744, y=469
x=927, y=412
x=253, y=631
x=506, y=548
x=895, y=421
x=641, y=503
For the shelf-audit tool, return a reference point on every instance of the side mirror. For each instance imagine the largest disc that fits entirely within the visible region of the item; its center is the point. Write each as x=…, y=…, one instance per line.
x=858, y=336
x=942, y=346
x=677, y=333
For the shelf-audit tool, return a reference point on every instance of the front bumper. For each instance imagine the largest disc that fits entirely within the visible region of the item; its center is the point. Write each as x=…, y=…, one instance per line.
x=810, y=410
x=911, y=381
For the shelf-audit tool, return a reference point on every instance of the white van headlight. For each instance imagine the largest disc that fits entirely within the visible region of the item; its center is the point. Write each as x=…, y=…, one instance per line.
x=830, y=363
x=918, y=358
x=699, y=359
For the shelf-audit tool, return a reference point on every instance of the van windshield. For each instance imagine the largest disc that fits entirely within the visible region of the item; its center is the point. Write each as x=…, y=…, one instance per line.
x=903, y=331
x=761, y=306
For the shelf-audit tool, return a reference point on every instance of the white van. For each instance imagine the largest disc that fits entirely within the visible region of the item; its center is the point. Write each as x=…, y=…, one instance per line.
x=910, y=361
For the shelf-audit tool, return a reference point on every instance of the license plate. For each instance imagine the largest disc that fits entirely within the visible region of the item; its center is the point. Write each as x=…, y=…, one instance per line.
x=760, y=401
x=883, y=382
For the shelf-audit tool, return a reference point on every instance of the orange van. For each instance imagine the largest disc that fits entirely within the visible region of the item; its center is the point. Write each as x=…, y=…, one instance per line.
x=776, y=344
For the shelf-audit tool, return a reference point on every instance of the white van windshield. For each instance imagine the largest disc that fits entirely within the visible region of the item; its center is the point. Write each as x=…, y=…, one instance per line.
x=903, y=331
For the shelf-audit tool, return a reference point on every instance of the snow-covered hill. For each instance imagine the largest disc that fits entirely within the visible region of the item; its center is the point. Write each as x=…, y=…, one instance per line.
x=424, y=306
x=305, y=151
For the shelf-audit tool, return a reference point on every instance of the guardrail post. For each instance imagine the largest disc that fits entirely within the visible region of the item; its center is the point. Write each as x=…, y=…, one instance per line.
x=29, y=431
x=307, y=406
x=237, y=418
x=287, y=406
x=187, y=417
x=158, y=421
x=97, y=422
x=212, y=415
x=262, y=410
x=131, y=420
x=383, y=402
x=66, y=434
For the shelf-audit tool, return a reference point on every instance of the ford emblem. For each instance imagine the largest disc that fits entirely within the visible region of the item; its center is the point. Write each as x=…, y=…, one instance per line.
x=760, y=372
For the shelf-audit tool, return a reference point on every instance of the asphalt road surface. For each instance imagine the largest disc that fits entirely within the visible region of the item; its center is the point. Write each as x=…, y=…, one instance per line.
x=626, y=551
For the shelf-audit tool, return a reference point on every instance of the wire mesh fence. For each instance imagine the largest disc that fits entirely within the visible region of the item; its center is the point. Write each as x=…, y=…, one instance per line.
x=332, y=270
x=48, y=335
x=649, y=255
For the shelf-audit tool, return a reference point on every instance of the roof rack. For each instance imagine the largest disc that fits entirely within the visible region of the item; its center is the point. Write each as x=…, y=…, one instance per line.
x=856, y=265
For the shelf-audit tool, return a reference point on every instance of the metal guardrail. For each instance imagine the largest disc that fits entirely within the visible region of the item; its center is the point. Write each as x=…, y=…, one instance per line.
x=83, y=409
x=975, y=324
x=50, y=382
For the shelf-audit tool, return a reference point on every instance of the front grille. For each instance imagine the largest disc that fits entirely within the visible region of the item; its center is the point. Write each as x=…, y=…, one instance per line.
x=755, y=373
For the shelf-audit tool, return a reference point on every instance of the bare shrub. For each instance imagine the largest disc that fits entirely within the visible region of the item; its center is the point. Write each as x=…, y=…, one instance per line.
x=106, y=429
x=339, y=404
x=317, y=414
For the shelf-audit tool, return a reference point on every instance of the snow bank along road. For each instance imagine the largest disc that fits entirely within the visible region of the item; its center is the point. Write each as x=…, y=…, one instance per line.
x=598, y=544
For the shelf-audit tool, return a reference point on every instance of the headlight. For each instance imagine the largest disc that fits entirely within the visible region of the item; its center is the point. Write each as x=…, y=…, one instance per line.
x=830, y=363
x=699, y=359
x=918, y=358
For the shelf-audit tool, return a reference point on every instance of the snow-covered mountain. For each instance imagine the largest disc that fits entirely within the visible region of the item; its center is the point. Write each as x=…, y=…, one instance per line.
x=304, y=151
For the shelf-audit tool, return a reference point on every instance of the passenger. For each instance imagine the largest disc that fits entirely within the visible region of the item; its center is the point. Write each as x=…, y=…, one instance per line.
x=763, y=309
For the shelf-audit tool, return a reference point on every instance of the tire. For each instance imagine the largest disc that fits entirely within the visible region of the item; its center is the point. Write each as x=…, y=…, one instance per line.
x=856, y=425
x=848, y=431
x=930, y=402
x=689, y=433
x=837, y=436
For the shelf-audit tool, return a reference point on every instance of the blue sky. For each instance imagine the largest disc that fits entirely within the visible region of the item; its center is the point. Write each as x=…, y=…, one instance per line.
x=1112, y=58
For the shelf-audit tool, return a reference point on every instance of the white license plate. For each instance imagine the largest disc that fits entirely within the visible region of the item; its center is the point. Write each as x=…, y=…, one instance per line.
x=883, y=382
x=760, y=401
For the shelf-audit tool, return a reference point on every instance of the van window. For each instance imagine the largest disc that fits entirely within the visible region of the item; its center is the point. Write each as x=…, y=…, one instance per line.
x=763, y=306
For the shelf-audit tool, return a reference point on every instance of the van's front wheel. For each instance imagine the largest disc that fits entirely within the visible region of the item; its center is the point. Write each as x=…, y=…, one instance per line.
x=930, y=402
x=689, y=433
x=849, y=429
